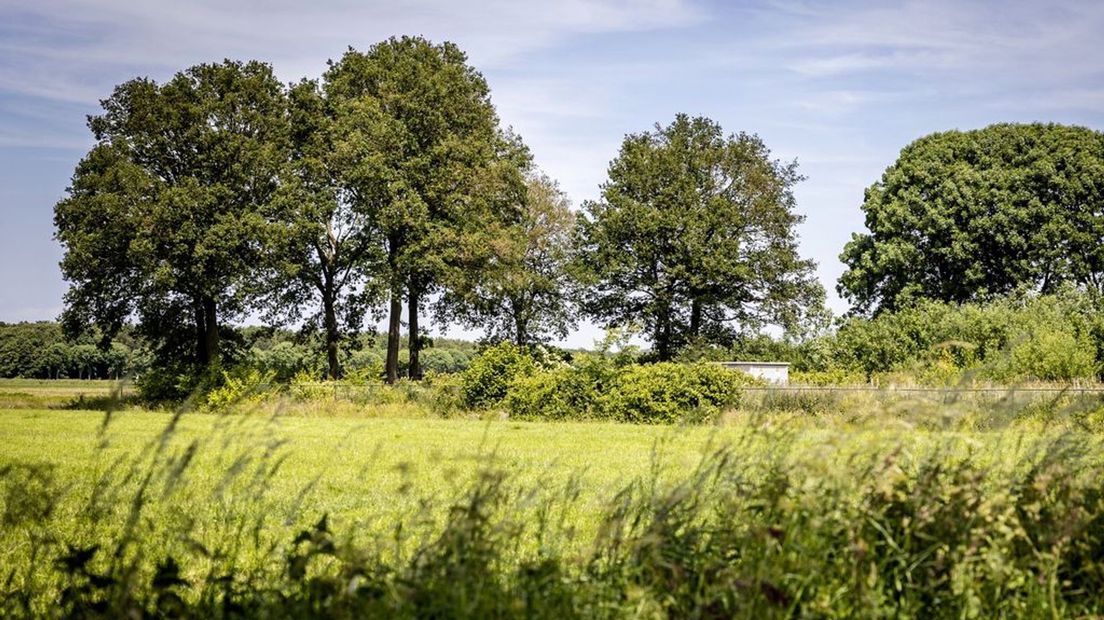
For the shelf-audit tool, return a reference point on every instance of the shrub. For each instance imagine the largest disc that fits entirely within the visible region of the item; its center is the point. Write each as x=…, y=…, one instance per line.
x=597, y=388
x=567, y=391
x=558, y=394
x=306, y=386
x=242, y=385
x=835, y=376
x=1052, y=354
x=171, y=383
x=669, y=392
x=488, y=378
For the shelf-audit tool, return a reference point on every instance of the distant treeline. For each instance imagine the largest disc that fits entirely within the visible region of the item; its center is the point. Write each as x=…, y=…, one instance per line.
x=40, y=350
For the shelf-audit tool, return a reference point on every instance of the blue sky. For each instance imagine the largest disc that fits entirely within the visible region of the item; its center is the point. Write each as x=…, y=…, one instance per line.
x=839, y=86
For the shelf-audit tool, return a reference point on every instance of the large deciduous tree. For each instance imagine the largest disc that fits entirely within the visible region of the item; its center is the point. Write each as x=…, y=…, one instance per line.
x=973, y=215
x=694, y=239
x=166, y=215
x=328, y=257
x=525, y=294
x=422, y=155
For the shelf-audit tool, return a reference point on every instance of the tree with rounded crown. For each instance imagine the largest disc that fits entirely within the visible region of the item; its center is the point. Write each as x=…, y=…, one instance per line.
x=526, y=295
x=694, y=239
x=973, y=215
x=166, y=215
x=421, y=155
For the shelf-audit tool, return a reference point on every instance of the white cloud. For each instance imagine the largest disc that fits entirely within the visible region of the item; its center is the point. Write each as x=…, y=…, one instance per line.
x=56, y=43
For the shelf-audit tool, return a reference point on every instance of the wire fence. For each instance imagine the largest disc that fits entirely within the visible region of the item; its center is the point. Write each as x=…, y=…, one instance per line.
x=929, y=390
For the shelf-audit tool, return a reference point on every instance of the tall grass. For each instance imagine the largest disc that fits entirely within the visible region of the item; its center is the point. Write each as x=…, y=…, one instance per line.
x=763, y=526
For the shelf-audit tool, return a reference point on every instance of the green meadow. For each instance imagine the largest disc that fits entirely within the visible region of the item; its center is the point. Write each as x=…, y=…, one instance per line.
x=273, y=509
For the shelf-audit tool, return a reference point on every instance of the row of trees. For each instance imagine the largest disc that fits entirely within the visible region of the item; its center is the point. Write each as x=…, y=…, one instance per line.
x=389, y=183
x=223, y=193
x=39, y=351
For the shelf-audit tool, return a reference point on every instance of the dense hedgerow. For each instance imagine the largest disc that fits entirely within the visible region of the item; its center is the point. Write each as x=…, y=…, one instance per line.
x=488, y=378
x=650, y=393
x=600, y=386
x=1048, y=338
x=1019, y=338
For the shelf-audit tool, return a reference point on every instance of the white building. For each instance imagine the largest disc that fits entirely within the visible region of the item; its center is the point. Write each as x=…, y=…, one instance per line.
x=771, y=372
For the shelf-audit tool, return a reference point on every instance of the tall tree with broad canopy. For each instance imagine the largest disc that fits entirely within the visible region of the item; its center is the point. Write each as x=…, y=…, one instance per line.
x=693, y=239
x=524, y=296
x=166, y=215
x=422, y=156
x=329, y=257
x=974, y=215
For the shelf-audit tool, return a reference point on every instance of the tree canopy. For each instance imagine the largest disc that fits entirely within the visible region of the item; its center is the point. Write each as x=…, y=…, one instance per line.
x=694, y=238
x=421, y=154
x=526, y=295
x=165, y=216
x=972, y=215
x=328, y=259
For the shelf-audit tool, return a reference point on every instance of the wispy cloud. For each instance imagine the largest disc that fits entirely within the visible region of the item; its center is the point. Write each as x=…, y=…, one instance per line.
x=107, y=38
x=840, y=86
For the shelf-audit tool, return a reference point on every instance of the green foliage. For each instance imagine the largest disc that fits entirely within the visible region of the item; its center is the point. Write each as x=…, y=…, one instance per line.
x=972, y=215
x=596, y=387
x=574, y=392
x=283, y=360
x=670, y=392
x=242, y=386
x=169, y=383
x=694, y=238
x=824, y=378
x=525, y=296
x=417, y=149
x=40, y=350
x=1018, y=338
x=1053, y=354
x=488, y=378
x=745, y=524
x=166, y=216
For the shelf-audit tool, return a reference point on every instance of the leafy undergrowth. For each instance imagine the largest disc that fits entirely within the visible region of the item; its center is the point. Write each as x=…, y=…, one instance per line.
x=198, y=520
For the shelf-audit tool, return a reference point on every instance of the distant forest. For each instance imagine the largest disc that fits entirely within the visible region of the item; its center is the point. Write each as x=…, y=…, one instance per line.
x=40, y=350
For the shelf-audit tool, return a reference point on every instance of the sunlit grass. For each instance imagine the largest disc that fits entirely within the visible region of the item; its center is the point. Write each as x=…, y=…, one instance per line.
x=231, y=492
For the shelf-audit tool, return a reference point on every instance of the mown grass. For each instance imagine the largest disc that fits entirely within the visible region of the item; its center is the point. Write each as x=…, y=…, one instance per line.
x=61, y=393
x=329, y=507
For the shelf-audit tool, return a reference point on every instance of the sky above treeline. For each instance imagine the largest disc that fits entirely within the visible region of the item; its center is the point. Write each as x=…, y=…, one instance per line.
x=839, y=86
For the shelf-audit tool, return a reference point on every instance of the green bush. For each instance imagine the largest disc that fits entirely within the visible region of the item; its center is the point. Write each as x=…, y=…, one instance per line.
x=559, y=394
x=567, y=391
x=669, y=392
x=488, y=378
x=242, y=385
x=835, y=376
x=172, y=383
x=1052, y=354
x=1057, y=337
x=597, y=388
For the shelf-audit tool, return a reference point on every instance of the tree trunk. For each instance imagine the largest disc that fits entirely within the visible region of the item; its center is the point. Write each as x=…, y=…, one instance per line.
x=394, y=333
x=211, y=332
x=663, y=335
x=695, y=318
x=520, y=333
x=333, y=368
x=202, y=353
x=414, y=342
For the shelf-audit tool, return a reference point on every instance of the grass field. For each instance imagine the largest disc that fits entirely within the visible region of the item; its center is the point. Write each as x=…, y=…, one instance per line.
x=766, y=514
x=57, y=393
